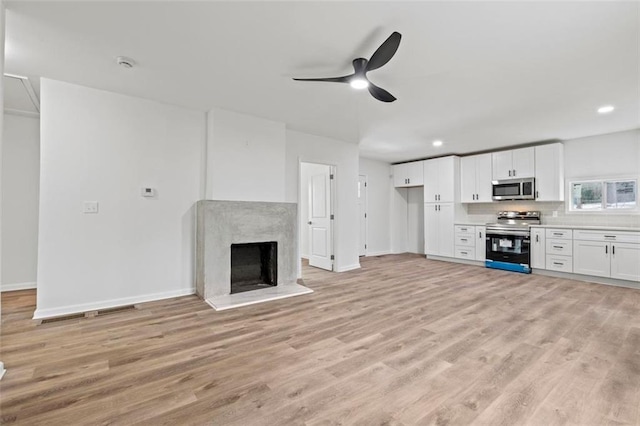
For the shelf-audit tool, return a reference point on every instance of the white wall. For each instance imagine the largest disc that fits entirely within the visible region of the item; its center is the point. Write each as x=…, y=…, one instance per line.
x=102, y=146
x=245, y=157
x=613, y=154
x=399, y=215
x=20, y=181
x=302, y=147
x=379, y=183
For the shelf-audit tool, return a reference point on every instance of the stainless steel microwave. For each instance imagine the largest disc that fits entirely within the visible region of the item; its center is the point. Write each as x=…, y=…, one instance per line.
x=514, y=189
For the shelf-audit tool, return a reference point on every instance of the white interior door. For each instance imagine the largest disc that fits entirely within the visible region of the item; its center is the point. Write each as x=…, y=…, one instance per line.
x=362, y=208
x=320, y=223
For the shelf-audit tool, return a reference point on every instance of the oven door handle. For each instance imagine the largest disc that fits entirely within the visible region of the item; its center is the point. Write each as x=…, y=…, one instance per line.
x=504, y=232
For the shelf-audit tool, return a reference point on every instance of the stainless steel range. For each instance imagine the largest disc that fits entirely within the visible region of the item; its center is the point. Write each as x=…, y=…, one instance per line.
x=508, y=241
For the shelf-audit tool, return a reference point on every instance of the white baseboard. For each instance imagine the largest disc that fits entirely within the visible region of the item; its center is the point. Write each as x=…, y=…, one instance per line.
x=348, y=268
x=17, y=286
x=377, y=253
x=105, y=304
x=587, y=278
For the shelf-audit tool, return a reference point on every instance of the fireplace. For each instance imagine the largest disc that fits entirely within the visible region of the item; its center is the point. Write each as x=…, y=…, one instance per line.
x=254, y=266
x=246, y=245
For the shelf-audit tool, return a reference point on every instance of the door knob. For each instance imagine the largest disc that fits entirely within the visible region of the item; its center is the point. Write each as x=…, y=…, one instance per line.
x=309, y=222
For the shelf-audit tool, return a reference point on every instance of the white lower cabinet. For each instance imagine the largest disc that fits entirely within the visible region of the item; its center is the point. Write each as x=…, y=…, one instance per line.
x=481, y=243
x=470, y=242
x=606, y=254
x=438, y=229
x=538, y=249
x=559, y=250
x=625, y=261
x=559, y=263
x=591, y=258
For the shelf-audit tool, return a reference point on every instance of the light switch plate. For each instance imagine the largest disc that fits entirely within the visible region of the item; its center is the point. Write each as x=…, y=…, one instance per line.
x=90, y=207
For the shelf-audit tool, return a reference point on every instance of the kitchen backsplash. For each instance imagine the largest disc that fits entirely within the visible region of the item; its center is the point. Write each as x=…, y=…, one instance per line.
x=486, y=212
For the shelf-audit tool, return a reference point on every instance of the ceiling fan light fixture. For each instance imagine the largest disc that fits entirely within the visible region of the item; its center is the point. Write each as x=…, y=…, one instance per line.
x=359, y=83
x=437, y=143
x=606, y=109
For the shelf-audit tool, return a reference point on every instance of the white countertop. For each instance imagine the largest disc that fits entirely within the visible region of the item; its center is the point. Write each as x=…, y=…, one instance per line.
x=590, y=227
x=470, y=224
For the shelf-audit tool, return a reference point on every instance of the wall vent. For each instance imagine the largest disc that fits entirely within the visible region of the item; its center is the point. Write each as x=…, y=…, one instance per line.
x=110, y=311
x=62, y=318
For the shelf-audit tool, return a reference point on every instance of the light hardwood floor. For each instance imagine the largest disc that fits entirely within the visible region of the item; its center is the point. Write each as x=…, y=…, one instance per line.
x=404, y=340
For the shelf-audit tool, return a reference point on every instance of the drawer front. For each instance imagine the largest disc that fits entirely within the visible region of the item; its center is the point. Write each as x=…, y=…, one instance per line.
x=465, y=240
x=463, y=229
x=559, y=263
x=562, y=247
x=561, y=234
x=618, y=236
x=465, y=253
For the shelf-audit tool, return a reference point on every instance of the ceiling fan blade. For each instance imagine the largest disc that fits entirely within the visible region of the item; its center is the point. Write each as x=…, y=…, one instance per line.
x=380, y=94
x=385, y=52
x=343, y=79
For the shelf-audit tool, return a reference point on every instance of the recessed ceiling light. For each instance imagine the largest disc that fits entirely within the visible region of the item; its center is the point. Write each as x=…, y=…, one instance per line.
x=359, y=83
x=437, y=143
x=125, y=62
x=605, y=109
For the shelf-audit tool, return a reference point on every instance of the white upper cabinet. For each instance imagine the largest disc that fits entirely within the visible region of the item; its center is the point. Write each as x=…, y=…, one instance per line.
x=549, y=172
x=441, y=179
x=475, y=178
x=408, y=174
x=515, y=163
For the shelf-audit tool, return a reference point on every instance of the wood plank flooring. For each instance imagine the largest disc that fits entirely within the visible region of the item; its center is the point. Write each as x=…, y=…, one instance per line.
x=402, y=341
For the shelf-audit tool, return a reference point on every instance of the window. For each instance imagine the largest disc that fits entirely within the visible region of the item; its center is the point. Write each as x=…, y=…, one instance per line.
x=603, y=195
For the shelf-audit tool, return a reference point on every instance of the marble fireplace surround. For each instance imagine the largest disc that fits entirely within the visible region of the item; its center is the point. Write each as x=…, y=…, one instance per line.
x=222, y=223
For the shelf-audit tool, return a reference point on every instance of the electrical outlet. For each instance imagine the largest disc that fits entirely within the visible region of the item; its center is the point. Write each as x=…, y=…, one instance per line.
x=90, y=207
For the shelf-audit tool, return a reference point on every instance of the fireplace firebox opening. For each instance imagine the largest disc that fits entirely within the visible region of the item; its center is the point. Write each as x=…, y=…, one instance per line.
x=254, y=266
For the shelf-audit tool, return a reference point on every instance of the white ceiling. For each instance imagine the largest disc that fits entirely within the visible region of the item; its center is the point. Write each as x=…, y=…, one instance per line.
x=478, y=75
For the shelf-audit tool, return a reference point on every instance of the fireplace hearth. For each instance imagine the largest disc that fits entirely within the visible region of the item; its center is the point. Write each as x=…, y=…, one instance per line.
x=254, y=266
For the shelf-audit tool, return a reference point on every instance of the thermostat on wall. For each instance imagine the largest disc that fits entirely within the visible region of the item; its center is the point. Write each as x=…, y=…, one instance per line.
x=148, y=192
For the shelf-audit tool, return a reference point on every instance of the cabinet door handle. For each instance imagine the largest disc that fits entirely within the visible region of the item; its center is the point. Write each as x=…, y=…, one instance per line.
x=435, y=197
x=613, y=250
x=438, y=207
x=479, y=234
x=558, y=263
x=509, y=172
x=463, y=239
x=537, y=194
x=463, y=252
x=409, y=180
x=606, y=249
x=537, y=238
x=514, y=172
x=558, y=234
x=558, y=247
x=610, y=236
